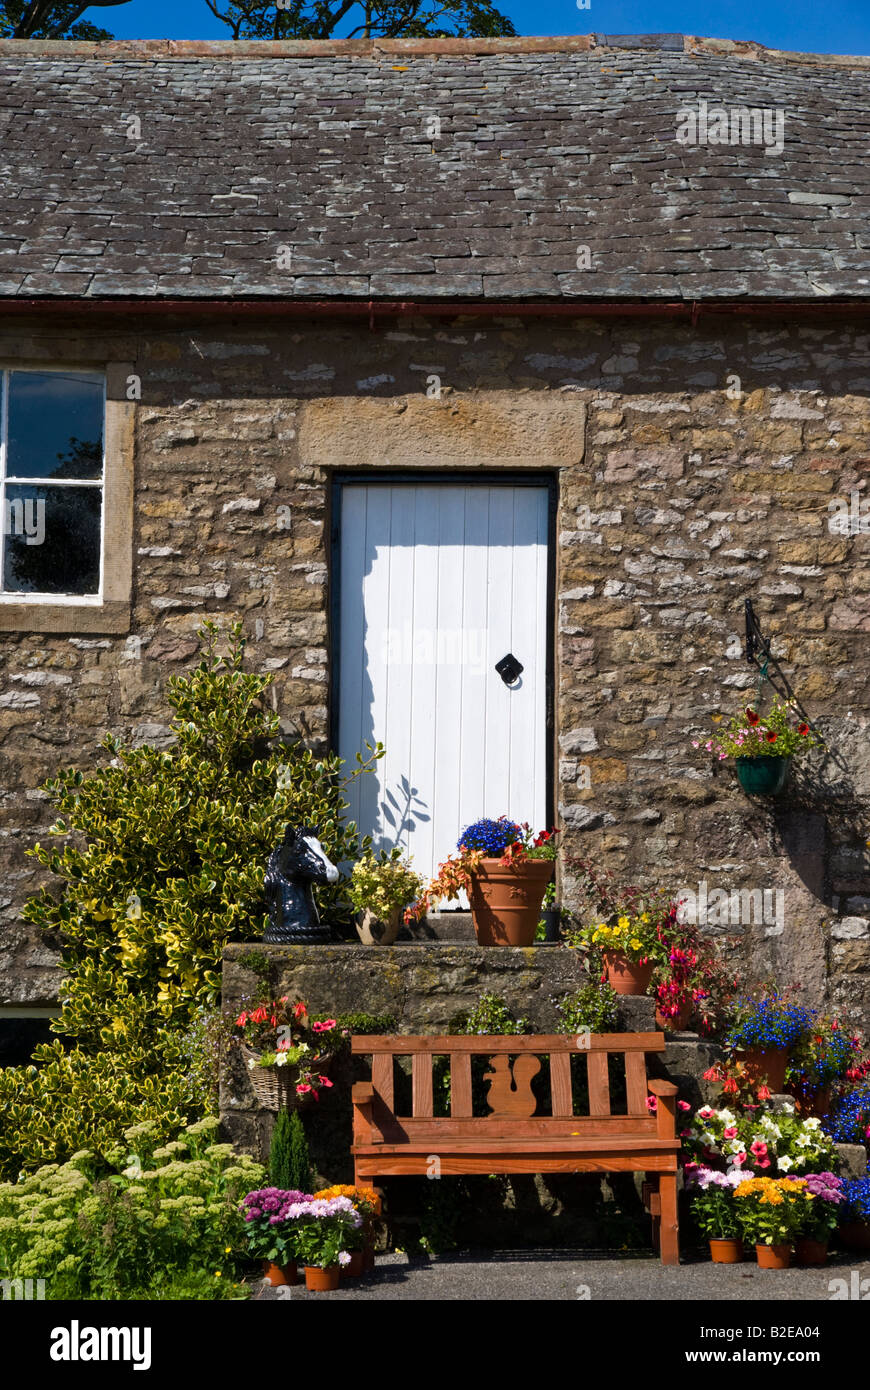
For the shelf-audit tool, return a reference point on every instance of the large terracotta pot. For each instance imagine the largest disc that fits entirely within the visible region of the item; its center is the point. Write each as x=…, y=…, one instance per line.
x=768, y=1066
x=506, y=900
x=627, y=976
x=855, y=1235
x=810, y=1252
x=319, y=1280
x=726, y=1252
x=763, y=776
x=811, y=1101
x=773, y=1256
x=373, y=931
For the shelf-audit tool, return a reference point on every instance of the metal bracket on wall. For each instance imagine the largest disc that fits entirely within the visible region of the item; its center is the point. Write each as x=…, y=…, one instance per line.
x=756, y=642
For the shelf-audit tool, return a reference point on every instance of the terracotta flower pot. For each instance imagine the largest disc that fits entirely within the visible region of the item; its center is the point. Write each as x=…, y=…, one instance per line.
x=374, y=931
x=763, y=776
x=280, y=1274
x=726, y=1251
x=506, y=900
x=356, y=1266
x=768, y=1065
x=855, y=1235
x=810, y=1252
x=677, y=1024
x=773, y=1256
x=811, y=1100
x=368, y=1255
x=319, y=1280
x=627, y=976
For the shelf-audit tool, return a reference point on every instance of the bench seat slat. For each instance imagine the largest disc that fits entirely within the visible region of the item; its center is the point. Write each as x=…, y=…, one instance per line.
x=540, y=1127
x=603, y=1144
x=542, y=1043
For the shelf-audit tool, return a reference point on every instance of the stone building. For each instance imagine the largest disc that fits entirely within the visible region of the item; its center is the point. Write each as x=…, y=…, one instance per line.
x=416, y=354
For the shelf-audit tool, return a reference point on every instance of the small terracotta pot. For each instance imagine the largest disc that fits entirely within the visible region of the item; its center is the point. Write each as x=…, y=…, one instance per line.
x=773, y=1256
x=279, y=1274
x=319, y=1280
x=627, y=976
x=356, y=1266
x=506, y=900
x=726, y=1251
x=765, y=1065
x=855, y=1235
x=373, y=931
x=810, y=1252
x=368, y=1255
x=674, y=1025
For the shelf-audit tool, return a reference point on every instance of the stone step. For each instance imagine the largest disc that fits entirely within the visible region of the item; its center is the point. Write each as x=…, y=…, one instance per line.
x=441, y=926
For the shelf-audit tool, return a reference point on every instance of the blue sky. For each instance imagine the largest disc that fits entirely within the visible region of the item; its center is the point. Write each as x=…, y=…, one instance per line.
x=801, y=25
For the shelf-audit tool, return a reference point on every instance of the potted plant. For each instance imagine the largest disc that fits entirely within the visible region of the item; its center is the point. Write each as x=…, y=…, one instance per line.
x=286, y=1053
x=504, y=868
x=714, y=1210
x=770, y=1212
x=855, y=1226
x=823, y=1058
x=322, y=1230
x=762, y=1032
x=380, y=890
x=762, y=746
x=822, y=1216
x=770, y=1143
x=622, y=941
x=269, y=1233
x=691, y=981
x=361, y=1241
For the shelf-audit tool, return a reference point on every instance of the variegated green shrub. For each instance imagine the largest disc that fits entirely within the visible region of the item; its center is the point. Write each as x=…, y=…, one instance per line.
x=162, y=858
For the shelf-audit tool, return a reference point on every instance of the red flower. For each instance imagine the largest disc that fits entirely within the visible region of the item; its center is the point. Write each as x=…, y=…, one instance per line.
x=752, y=717
x=771, y=736
x=241, y=1020
x=803, y=729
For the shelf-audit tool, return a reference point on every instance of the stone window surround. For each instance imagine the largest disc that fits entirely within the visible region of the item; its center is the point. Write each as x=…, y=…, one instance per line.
x=112, y=613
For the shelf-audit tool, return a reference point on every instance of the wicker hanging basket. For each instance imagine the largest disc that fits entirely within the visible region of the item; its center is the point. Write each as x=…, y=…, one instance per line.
x=275, y=1087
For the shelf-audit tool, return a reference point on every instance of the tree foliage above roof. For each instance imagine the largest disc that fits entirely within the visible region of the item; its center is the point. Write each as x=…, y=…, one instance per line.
x=355, y=19
x=52, y=19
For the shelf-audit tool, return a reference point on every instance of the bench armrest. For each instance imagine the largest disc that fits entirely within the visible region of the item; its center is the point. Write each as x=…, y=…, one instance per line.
x=662, y=1088
x=666, y=1110
x=364, y=1131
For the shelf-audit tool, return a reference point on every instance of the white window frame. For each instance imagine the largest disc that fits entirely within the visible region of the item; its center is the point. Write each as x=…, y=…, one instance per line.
x=11, y=596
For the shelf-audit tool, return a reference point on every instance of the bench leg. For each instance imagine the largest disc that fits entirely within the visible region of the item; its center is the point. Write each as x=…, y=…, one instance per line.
x=669, y=1230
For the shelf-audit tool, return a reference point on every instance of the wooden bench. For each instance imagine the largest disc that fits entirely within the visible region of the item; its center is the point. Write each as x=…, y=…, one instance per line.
x=512, y=1138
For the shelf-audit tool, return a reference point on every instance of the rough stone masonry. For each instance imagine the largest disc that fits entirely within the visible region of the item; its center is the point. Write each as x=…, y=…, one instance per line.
x=697, y=465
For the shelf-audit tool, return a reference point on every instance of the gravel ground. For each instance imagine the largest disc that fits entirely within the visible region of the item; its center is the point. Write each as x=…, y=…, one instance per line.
x=572, y=1275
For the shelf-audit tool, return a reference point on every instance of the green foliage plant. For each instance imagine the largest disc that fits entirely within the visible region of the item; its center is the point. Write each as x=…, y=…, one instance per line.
x=383, y=885
x=162, y=864
x=144, y=1219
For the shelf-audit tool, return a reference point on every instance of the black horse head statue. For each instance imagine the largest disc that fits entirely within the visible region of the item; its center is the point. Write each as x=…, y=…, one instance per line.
x=294, y=865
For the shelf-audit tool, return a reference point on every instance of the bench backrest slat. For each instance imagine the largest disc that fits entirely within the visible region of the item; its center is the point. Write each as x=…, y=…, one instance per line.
x=421, y=1082
x=635, y=1081
x=527, y=1042
x=599, y=1083
x=460, y=1085
x=560, y=1084
x=382, y=1076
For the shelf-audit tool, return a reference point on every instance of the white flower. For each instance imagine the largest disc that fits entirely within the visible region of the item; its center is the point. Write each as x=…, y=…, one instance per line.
x=727, y=1117
x=812, y=1123
x=737, y=1146
x=709, y=1139
x=785, y=1164
x=281, y=1059
x=252, y=1062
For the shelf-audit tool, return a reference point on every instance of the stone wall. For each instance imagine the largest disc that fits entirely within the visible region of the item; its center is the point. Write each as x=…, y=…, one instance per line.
x=678, y=498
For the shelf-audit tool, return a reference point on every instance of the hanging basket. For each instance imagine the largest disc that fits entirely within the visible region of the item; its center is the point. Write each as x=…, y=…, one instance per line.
x=764, y=776
x=275, y=1087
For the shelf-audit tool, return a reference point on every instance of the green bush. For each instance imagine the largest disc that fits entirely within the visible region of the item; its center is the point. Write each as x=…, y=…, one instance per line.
x=289, y=1161
x=593, y=1006
x=150, y=1221
x=165, y=867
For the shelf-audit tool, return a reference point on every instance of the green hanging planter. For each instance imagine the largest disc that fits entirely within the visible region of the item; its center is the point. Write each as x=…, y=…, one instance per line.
x=764, y=776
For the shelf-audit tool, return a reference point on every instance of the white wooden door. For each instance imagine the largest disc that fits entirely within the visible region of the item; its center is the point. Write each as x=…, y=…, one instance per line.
x=437, y=583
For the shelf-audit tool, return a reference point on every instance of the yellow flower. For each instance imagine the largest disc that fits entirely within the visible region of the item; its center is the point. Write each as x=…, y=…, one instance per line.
x=624, y=923
x=635, y=944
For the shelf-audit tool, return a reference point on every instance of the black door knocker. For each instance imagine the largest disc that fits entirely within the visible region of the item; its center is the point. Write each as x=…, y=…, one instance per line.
x=509, y=669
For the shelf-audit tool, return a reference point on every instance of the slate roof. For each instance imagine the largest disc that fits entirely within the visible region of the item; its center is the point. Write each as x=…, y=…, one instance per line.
x=545, y=146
